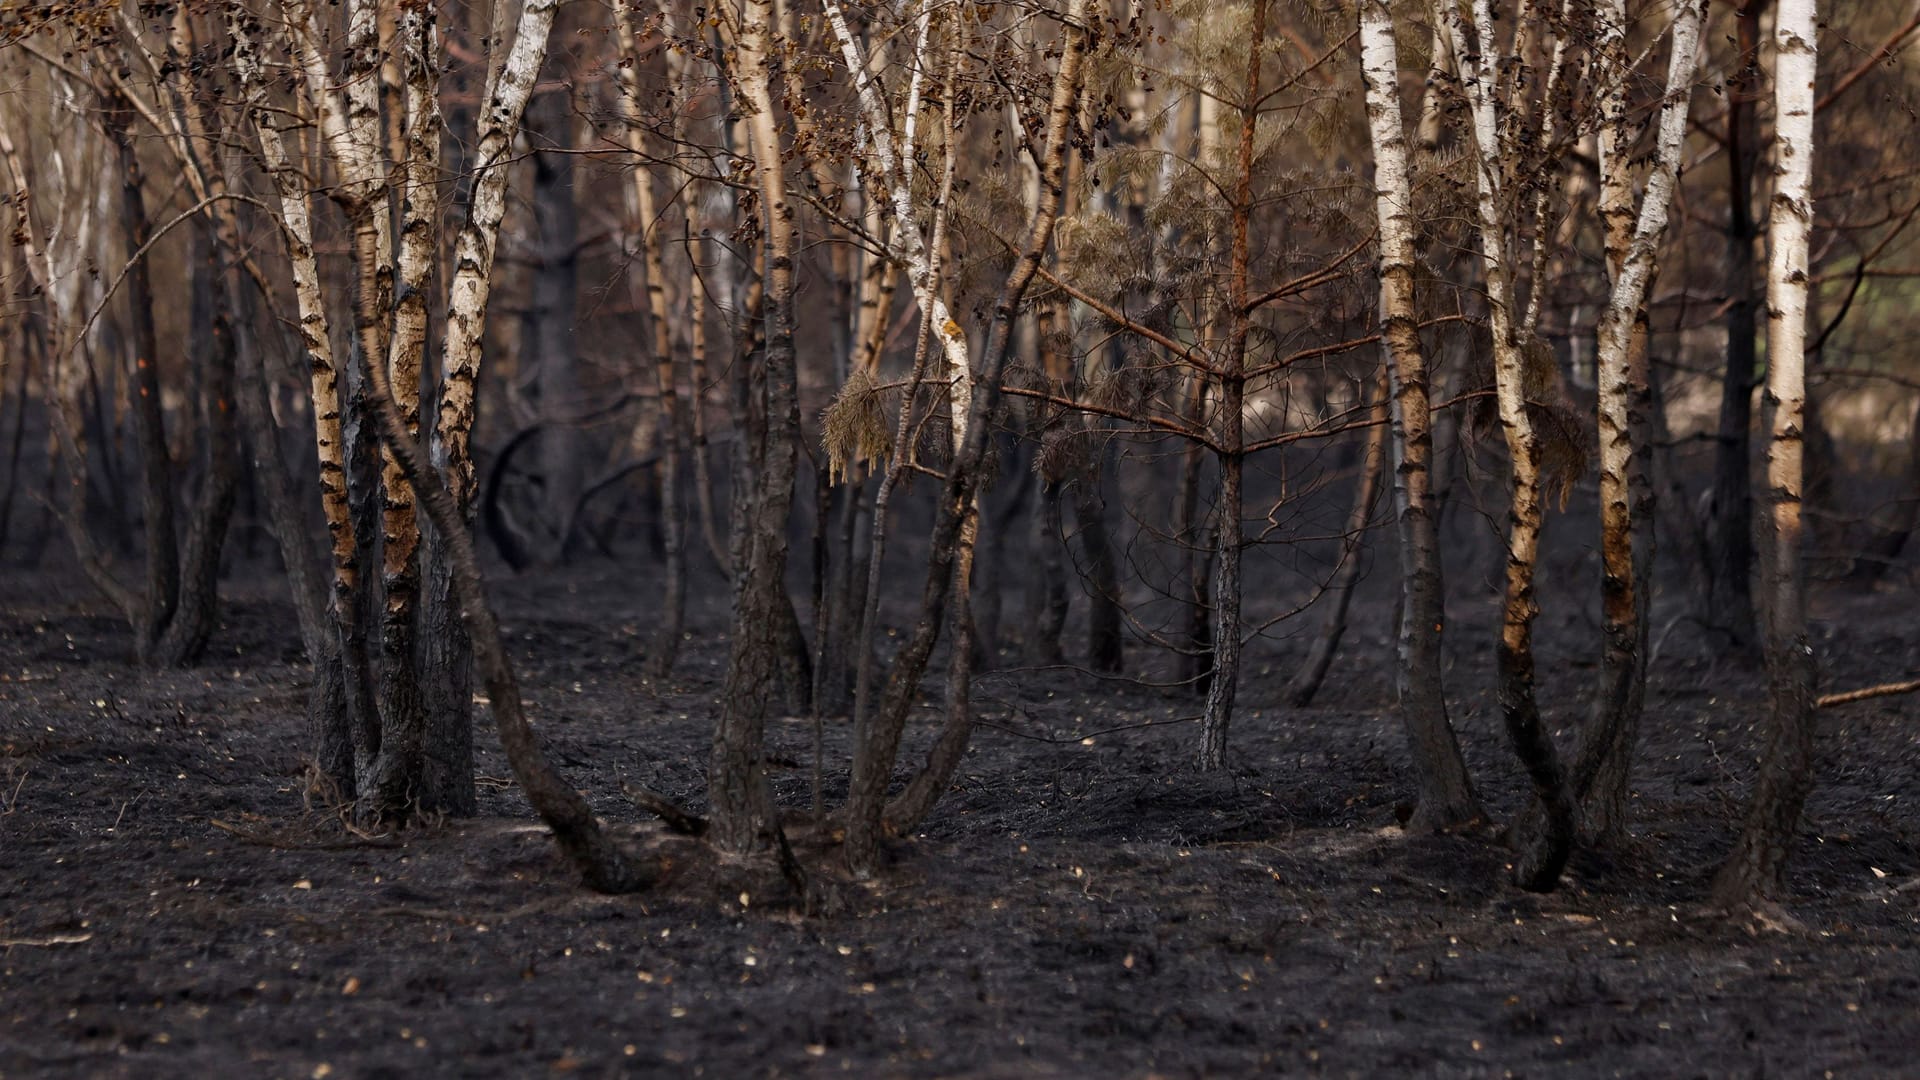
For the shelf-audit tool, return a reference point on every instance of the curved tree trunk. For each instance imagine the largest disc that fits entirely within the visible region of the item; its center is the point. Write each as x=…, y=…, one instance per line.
x=1543, y=856
x=1633, y=236
x=874, y=757
x=328, y=412
x=1306, y=684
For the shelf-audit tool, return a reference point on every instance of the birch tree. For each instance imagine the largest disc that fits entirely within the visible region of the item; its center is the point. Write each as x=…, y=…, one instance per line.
x=878, y=745
x=1519, y=358
x=404, y=755
x=1753, y=878
x=1632, y=241
x=1445, y=795
x=744, y=818
x=665, y=348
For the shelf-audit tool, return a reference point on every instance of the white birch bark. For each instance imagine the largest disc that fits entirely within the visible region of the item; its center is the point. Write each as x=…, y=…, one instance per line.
x=296, y=223
x=1446, y=796
x=908, y=242
x=1632, y=238
x=502, y=104
x=1755, y=873
x=665, y=643
x=1495, y=162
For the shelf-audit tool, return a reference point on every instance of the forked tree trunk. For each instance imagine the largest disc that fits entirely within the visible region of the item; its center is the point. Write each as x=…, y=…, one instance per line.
x=450, y=657
x=1633, y=237
x=603, y=865
x=874, y=757
x=295, y=215
x=400, y=775
x=1544, y=856
x=1754, y=874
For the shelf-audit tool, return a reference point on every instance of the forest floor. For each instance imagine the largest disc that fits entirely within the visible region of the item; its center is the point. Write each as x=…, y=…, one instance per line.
x=1083, y=904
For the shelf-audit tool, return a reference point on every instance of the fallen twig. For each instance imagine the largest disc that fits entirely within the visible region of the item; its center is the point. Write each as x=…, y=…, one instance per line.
x=669, y=812
x=1883, y=690
x=43, y=942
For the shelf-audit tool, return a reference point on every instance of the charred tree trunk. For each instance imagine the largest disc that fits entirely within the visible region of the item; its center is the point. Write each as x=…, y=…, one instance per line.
x=156, y=492
x=196, y=609
x=1105, y=642
x=1730, y=523
x=1543, y=855
x=603, y=865
x=879, y=746
x=762, y=608
x=1366, y=491
x=1047, y=599
x=327, y=729
x=1633, y=234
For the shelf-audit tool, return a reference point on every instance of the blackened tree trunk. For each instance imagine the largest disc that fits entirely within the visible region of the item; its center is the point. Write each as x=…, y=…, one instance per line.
x=603, y=865
x=1542, y=855
x=1366, y=490
x=1445, y=797
x=1102, y=573
x=196, y=610
x=327, y=730
x=156, y=492
x=1626, y=494
x=874, y=758
x=1047, y=599
x=762, y=608
x=1730, y=524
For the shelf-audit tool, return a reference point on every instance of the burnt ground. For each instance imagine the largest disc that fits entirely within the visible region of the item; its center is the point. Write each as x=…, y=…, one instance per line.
x=1082, y=904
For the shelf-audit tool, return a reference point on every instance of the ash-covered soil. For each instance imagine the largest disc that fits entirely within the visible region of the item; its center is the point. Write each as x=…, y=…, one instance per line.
x=1082, y=905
